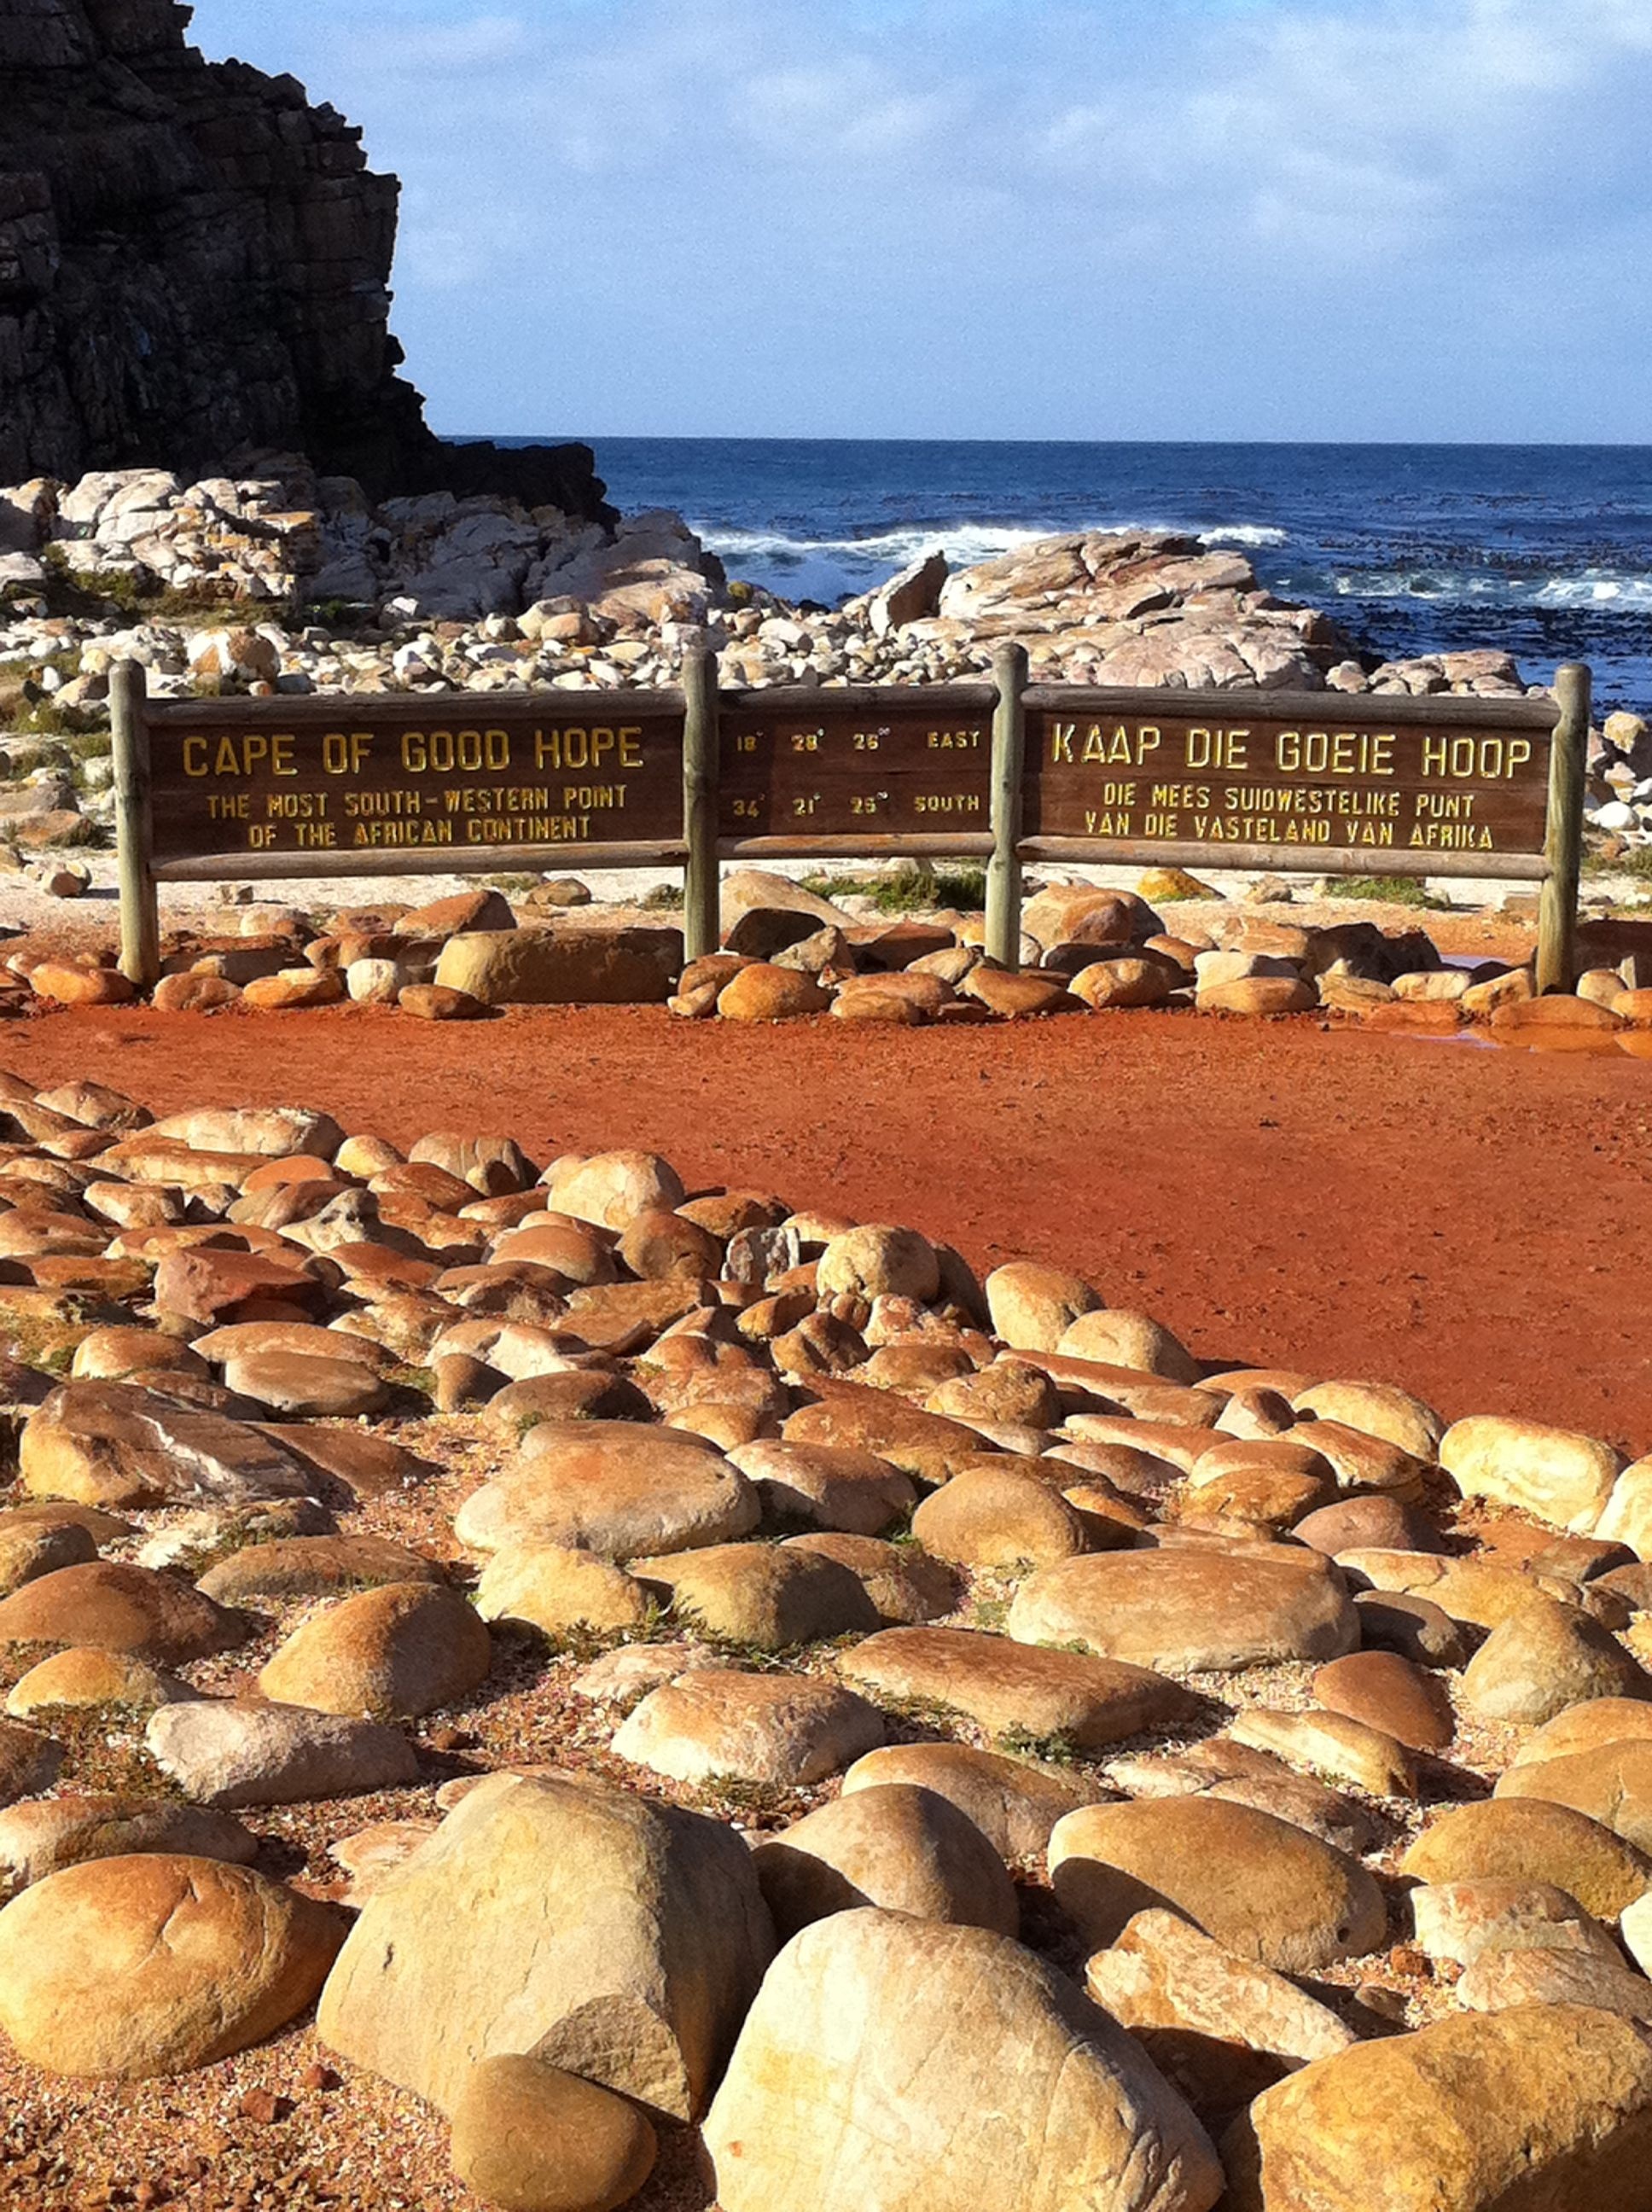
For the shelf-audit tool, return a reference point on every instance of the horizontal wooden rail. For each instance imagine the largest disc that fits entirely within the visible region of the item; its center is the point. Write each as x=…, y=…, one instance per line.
x=416, y=860
x=1285, y=859
x=1347, y=710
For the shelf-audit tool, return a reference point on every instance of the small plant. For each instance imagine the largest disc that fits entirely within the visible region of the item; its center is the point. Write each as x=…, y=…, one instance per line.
x=1637, y=861
x=910, y=889
x=664, y=898
x=1057, y=1750
x=514, y=886
x=1392, y=890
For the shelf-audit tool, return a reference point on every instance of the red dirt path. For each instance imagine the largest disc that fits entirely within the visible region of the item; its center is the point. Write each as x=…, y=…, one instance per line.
x=1473, y=1223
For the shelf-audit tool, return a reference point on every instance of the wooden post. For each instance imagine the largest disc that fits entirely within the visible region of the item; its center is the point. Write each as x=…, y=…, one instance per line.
x=1557, y=922
x=1009, y=752
x=140, y=915
x=700, y=925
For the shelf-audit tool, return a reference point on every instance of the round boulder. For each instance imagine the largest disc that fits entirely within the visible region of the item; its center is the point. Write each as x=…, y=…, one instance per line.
x=406, y=1649
x=527, y=2138
x=895, y=1845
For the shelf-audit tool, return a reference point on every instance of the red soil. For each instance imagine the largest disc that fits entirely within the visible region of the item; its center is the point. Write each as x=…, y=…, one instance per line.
x=1471, y=1222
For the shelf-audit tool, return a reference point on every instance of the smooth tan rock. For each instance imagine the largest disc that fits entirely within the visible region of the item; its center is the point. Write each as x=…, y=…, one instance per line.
x=1031, y=2101
x=27, y=1553
x=1264, y=1888
x=555, y=1590
x=1013, y=1690
x=833, y=1487
x=222, y=1751
x=1544, y=2108
x=405, y=1650
x=927, y=1446
x=1544, y=1657
x=1379, y=1408
x=1557, y=1474
x=564, y=966
x=1387, y=1692
x=290, y=1567
x=985, y=1519
x=45, y=1836
x=528, y=2137
x=611, y=1487
x=88, y=1676
x=1014, y=1803
x=879, y=1261
x=116, y=1445
x=1330, y=1745
x=1627, y=1518
x=906, y=1586
x=761, y=992
x=125, y=1968
x=120, y=1607
x=611, y=1188
x=1529, y=1840
x=1612, y=1784
x=765, y=1596
x=1119, y=1339
x=649, y=1939
x=1257, y=994
x=1460, y=1920
x=1220, y=2029
x=782, y=1730
x=1589, y=1727
x=1033, y=1306
x=895, y=1846
x=1196, y=1611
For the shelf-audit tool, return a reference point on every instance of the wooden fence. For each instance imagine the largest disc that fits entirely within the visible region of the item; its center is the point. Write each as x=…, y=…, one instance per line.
x=373, y=784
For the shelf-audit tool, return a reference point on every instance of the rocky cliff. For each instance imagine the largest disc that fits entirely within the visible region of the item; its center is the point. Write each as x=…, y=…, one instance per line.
x=194, y=261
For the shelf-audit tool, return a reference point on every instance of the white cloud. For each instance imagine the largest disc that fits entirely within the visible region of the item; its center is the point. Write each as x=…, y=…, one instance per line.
x=817, y=206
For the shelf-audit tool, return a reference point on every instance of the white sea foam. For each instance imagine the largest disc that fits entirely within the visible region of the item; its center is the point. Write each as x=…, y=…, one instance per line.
x=964, y=544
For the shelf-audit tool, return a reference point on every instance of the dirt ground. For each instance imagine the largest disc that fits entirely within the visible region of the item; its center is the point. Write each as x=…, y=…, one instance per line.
x=1469, y=1221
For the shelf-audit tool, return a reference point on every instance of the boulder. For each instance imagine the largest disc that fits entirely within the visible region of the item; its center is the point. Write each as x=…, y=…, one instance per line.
x=763, y=993
x=120, y=1607
x=1264, y=1889
x=528, y=2137
x=1013, y=1802
x=1526, y=1839
x=1388, y=1693
x=1459, y=1920
x=781, y=1731
x=1033, y=1306
x=1557, y=1474
x=1612, y=1784
x=134, y=1966
x=223, y=1753
x=854, y=1492
x=1191, y=1610
x=983, y=1518
x=1544, y=2108
x=1220, y=2029
x=918, y=2067
x=116, y=1445
x=556, y=1590
x=86, y=1676
x=879, y=1262
x=1589, y=1727
x=401, y=1651
x=649, y=1938
x=905, y=1585
x=28, y=1762
x=1011, y=1690
x=42, y=1837
x=290, y=1567
x=895, y=1845
x=611, y=1188
x=765, y=1596
x=1545, y=1657
x=613, y=1487
x=569, y=965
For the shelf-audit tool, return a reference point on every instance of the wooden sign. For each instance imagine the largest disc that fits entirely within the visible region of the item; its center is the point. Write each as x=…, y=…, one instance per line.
x=463, y=783
x=1430, y=785
x=877, y=768
x=380, y=779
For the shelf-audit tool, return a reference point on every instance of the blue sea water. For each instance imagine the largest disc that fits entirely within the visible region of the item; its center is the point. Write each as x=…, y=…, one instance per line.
x=1543, y=550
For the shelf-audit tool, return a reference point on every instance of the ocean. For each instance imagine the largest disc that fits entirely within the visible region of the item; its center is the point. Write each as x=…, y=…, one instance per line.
x=1543, y=550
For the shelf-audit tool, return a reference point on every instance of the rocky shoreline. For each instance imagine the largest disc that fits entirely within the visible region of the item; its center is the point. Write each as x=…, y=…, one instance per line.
x=288, y=584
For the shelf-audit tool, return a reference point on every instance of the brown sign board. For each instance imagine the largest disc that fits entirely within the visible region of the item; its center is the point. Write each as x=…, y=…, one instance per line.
x=847, y=766
x=464, y=775
x=1387, y=781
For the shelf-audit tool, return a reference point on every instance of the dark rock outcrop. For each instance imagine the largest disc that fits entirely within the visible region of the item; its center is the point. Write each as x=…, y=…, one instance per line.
x=194, y=261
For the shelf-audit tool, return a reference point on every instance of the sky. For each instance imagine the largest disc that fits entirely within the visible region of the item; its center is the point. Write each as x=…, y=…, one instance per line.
x=1414, y=219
